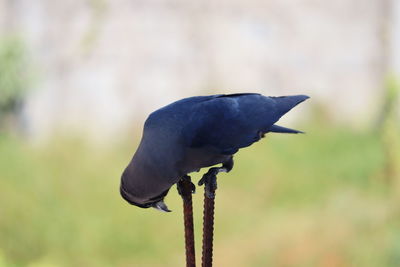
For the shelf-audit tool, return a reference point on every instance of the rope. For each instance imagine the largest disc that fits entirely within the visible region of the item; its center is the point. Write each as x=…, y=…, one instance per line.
x=186, y=193
x=208, y=229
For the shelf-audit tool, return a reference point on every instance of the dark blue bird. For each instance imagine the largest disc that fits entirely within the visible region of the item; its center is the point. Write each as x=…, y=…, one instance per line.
x=198, y=132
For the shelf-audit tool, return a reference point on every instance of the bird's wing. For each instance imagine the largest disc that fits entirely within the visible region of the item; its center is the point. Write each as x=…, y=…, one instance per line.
x=231, y=122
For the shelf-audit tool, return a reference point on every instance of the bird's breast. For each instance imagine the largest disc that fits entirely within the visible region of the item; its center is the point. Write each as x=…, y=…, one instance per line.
x=197, y=158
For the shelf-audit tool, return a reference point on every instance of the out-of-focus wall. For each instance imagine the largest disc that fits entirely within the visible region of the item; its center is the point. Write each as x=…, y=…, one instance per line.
x=101, y=66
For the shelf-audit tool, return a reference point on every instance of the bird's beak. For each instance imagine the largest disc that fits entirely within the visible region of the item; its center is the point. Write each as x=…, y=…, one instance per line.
x=161, y=206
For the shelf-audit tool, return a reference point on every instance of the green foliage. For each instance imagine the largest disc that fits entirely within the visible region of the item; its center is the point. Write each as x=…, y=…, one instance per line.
x=13, y=72
x=388, y=126
x=304, y=200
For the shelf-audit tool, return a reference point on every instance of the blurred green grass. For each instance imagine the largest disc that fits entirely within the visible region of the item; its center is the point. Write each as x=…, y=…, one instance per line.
x=318, y=199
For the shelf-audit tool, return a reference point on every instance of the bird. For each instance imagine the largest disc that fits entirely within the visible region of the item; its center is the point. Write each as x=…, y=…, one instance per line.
x=197, y=132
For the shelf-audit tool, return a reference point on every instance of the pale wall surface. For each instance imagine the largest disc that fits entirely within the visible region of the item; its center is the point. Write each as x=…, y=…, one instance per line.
x=104, y=65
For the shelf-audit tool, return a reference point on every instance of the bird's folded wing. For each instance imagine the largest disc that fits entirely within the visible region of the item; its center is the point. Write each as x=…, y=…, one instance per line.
x=231, y=122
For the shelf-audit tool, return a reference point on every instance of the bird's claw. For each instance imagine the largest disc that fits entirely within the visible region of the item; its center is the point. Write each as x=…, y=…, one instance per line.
x=210, y=182
x=180, y=185
x=210, y=188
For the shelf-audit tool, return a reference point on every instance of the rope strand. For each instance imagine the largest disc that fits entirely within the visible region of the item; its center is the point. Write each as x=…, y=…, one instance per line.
x=186, y=187
x=208, y=230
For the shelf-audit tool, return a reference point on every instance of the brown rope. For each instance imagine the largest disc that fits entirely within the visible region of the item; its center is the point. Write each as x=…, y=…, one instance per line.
x=186, y=194
x=208, y=229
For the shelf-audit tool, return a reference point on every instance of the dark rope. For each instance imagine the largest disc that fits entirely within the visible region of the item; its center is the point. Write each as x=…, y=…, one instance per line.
x=208, y=229
x=186, y=188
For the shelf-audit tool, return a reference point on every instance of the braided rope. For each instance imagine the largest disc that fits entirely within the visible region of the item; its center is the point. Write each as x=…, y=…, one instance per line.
x=208, y=230
x=186, y=194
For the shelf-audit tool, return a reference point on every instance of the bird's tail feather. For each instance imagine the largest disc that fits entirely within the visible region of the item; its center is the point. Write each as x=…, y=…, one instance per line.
x=286, y=103
x=279, y=129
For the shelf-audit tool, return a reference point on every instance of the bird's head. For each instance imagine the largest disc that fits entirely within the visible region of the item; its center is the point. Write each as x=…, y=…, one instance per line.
x=155, y=202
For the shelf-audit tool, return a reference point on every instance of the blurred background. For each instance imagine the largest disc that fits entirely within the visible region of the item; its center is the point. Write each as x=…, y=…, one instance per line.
x=78, y=78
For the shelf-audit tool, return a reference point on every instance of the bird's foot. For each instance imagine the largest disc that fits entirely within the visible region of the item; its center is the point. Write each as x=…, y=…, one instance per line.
x=185, y=181
x=209, y=180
